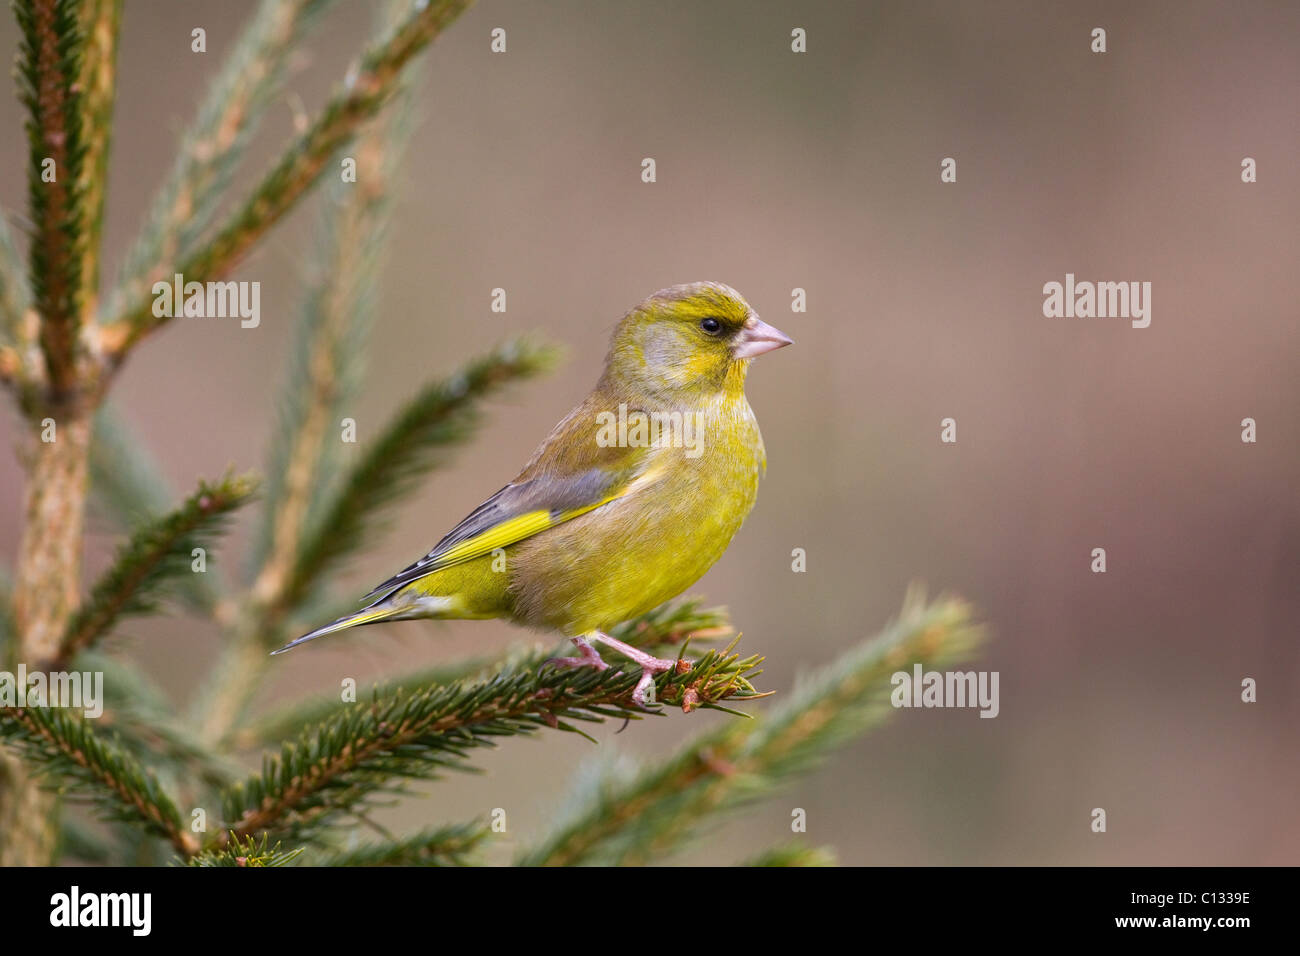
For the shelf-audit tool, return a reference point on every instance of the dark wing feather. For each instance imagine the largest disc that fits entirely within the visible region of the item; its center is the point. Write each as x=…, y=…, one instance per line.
x=515, y=512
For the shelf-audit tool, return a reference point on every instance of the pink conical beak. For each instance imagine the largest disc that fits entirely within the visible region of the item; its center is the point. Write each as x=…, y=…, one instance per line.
x=756, y=337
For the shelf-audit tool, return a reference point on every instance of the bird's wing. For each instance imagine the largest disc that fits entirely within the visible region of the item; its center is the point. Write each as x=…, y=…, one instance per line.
x=553, y=488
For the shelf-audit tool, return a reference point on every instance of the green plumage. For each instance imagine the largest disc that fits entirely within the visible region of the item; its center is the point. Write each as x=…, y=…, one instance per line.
x=631, y=499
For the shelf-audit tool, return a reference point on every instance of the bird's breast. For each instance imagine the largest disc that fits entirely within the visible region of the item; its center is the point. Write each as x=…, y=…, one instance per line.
x=634, y=553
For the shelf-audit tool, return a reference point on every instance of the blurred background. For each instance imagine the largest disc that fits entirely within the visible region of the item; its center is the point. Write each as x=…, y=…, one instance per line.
x=821, y=171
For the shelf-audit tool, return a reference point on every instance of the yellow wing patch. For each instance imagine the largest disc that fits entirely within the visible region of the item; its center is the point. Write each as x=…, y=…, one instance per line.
x=508, y=532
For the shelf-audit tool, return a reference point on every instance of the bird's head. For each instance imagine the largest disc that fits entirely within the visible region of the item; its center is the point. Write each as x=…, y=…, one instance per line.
x=689, y=339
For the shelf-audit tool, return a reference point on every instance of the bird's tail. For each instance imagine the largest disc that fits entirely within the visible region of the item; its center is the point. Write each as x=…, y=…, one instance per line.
x=369, y=615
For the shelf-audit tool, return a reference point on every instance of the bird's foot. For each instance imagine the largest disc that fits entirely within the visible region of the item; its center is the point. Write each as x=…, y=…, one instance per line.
x=649, y=664
x=589, y=657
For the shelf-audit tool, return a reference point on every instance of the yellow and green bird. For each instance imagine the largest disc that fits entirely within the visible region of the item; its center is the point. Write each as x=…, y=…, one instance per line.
x=635, y=494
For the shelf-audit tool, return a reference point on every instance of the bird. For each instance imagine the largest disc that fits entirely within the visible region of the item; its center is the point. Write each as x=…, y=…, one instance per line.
x=635, y=494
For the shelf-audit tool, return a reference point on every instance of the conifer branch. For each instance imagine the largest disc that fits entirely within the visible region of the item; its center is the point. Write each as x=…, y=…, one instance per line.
x=128, y=489
x=669, y=625
x=50, y=58
x=329, y=346
x=8, y=631
x=673, y=623
x=793, y=854
x=126, y=484
x=57, y=741
x=440, y=846
x=335, y=769
x=137, y=711
x=369, y=85
x=212, y=147
x=15, y=300
x=441, y=415
x=98, y=85
x=288, y=722
x=155, y=553
x=643, y=818
x=79, y=842
x=246, y=852
x=331, y=333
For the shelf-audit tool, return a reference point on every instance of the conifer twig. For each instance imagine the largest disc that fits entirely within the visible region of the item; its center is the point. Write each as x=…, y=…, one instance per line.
x=337, y=767
x=79, y=842
x=248, y=852
x=329, y=344
x=439, y=846
x=211, y=148
x=15, y=300
x=127, y=488
x=50, y=58
x=289, y=721
x=368, y=86
x=331, y=333
x=126, y=483
x=793, y=854
x=669, y=625
x=62, y=742
x=7, y=629
x=156, y=552
x=673, y=623
x=642, y=818
x=98, y=86
x=137, y=711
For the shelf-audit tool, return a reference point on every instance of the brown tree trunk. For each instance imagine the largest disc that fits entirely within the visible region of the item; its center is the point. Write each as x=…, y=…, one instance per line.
x=45, y=595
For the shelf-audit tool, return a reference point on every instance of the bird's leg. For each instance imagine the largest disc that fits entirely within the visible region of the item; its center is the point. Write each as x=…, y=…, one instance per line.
x=649, y=664
x=589, y=657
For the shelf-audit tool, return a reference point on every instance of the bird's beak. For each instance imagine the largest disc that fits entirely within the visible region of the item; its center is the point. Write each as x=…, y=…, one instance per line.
x=756, y=337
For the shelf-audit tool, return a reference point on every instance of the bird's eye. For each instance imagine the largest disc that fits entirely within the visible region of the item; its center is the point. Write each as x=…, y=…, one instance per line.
x=711, y=326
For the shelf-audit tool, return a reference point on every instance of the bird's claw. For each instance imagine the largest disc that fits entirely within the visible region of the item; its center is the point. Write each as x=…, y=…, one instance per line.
x=650, y=668
x=649, y=664
x=589, y=657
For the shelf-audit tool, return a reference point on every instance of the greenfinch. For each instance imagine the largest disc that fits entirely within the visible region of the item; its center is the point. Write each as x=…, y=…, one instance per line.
x=635, y=494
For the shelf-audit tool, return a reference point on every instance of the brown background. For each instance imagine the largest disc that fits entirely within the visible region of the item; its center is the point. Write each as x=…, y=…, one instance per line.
x=822, y=171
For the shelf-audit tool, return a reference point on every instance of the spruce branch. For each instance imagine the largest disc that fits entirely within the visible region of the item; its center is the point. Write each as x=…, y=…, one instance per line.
x=128, y=489
x=794, y=854
x=210, y=150
x=668, y=625
x=156, y=553
x=50, y=62
x=8, y=631
x=81, y=843
x=246, y=852
x=452, y=845
x=330, y=340
x=288, y=722
x=102, y=20
x=673, y=623
x=126, y=483
x=369, y=85
x=137, y=711
x=442, y=414
x=59, y=742
x=336, y=768
x=642, y=818
x=15, y=300
x=331, y=333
